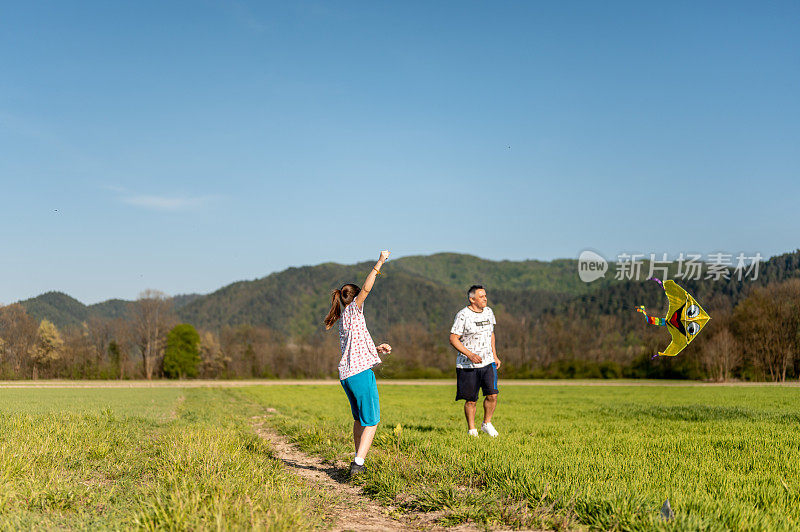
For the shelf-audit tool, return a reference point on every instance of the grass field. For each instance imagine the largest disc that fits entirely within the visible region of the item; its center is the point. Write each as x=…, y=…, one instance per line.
x=602, y=457
x=568, y=457
x=146, y=458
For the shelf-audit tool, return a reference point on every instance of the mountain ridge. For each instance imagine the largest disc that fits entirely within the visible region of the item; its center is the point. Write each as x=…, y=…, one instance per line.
x=311, y=284
x=422, y=289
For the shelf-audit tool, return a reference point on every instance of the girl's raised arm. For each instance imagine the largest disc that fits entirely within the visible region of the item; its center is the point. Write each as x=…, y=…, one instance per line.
x=371, y=279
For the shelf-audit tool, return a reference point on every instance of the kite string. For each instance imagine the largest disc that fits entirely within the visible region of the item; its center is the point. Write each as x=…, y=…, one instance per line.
x=387, y=325
x=386, y=332
x=662, y=322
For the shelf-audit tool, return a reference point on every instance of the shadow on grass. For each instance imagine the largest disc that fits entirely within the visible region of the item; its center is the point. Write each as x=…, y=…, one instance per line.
x=338, y=475
x=426, y=428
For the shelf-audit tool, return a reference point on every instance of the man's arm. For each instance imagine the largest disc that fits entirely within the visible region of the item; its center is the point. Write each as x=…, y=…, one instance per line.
x=494, y=353
x=362, y=295
x=455, y=341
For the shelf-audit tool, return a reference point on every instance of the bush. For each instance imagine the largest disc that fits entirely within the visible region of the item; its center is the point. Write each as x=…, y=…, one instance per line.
x=182, y=356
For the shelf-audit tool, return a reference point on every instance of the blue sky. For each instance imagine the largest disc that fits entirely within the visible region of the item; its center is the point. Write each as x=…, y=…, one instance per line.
x=182, y=146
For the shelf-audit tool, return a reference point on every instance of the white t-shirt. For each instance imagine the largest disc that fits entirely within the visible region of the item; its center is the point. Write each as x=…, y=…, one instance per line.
x=475, y=332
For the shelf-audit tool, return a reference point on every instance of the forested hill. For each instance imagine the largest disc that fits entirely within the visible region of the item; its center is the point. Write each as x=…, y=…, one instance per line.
x=421, y=290
x=418, y=288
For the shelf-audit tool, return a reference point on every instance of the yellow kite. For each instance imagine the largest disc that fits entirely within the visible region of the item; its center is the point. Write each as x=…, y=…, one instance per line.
x=684, y=320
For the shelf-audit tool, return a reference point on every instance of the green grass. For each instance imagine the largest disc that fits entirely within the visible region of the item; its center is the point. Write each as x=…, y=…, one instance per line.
x=568, y=457
x=147, y=459
x=604, y=458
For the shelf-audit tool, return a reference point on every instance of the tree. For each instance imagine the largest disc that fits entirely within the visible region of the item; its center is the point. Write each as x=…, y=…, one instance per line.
x=721, y=355
x=124, y=342
x=153, y=317
x=214, y=360
x=251, y=350
x=18, y=331
x=101, y=334
x=182, y=355
x=767, y=323
x=79, y=359
x=48, y=346
x=115, y=357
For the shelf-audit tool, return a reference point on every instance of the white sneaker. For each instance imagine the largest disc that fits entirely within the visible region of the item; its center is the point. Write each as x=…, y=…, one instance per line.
x=489, y=429
x=473, y=433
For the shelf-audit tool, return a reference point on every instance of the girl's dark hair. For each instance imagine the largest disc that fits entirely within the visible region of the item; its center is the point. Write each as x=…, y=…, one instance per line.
x=343, y=296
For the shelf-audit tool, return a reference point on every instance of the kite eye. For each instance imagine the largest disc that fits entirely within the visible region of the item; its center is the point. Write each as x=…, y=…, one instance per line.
x=692, y=328
x=693, y=311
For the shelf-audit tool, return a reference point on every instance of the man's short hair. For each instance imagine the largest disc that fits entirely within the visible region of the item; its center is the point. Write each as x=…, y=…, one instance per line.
x=474, y=288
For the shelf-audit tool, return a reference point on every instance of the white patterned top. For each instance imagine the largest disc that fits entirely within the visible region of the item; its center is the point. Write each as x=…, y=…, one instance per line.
x=475, y=332
x=358, y=349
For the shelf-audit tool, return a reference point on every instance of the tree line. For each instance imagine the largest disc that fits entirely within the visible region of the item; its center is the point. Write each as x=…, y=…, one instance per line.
x=151, y=343
x=756, y=337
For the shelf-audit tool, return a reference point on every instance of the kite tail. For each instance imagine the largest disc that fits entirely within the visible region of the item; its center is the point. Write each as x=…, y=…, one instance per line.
x=652, y=320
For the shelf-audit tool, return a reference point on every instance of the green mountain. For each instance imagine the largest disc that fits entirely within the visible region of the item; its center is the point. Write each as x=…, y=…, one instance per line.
x=423, y=290
x=57, y=307
x=420, y=290
x=113, y=308
x=296, y=300
x=458, y=271
x=293, y=301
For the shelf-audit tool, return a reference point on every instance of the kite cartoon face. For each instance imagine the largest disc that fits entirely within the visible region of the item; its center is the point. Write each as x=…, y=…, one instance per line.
x=685, y=318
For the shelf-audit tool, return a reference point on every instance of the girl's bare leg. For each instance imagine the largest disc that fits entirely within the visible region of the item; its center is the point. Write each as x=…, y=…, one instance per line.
x=357, y=431
x=365, y=441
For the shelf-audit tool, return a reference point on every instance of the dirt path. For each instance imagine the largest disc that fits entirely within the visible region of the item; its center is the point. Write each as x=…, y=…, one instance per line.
x=351, y=510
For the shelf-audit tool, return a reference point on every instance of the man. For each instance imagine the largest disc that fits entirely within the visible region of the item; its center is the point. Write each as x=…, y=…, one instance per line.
x=476, y=365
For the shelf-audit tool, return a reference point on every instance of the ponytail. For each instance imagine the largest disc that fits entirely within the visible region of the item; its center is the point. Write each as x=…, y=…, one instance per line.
x=336, y=311
x=343, y=296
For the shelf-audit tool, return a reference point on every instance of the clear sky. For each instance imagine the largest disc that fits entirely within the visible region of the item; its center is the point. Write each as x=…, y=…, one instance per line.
x=182, y=146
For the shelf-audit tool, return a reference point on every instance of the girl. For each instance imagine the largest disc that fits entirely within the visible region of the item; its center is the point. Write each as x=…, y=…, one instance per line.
x=359, y=354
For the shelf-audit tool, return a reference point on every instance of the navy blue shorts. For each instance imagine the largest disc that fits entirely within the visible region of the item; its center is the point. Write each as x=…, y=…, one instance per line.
x=362, y=392
x=470, y=380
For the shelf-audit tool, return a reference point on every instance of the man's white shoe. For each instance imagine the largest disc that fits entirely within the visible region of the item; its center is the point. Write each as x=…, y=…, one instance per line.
x=473, y=432
x=489, y=429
